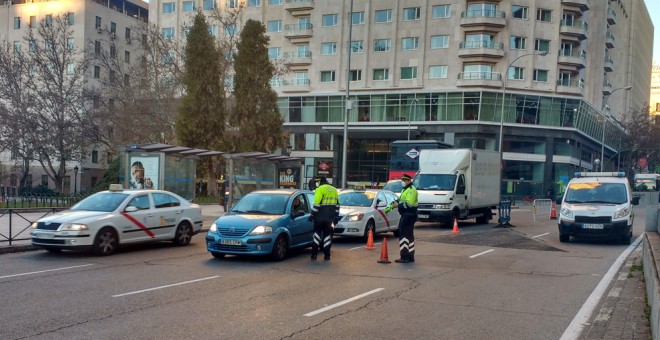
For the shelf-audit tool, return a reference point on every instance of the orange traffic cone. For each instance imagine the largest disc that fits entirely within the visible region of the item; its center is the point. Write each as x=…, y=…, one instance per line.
x=370, y=241
x=455, y=231
x=553, y=212
x=383, y=252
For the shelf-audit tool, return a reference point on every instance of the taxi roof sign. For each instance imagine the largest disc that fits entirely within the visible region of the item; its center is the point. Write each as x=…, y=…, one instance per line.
x=600, y=174
x=115, y=187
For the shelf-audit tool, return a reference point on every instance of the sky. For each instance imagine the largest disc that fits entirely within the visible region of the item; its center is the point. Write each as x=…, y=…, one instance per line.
x=654, y=10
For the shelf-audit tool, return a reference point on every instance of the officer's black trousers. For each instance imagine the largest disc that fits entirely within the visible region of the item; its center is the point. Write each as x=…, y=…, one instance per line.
x=322, y=238
x=406, y=236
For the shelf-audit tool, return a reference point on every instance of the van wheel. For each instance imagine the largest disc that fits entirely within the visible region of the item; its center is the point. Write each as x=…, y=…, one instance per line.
x=627, y=239
x=487, y=216
x=564, y=238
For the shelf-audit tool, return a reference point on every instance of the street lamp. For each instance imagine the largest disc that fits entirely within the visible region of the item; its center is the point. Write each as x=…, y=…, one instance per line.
x=605, y=116
x=413, y=103
x=348, y=105
x=75, y=179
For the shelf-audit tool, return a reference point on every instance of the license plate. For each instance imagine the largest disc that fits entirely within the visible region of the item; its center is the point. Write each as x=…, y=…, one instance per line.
x=44, y=235
x=423, y=216
x=592, y=226
x=230, y=242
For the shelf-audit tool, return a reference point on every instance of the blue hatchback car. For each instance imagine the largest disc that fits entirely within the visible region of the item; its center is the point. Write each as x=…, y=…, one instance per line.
x=264, y=222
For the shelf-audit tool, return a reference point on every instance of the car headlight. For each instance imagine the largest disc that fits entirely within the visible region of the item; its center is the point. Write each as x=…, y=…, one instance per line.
x=72, y=227
x=261, y=229
x=621, y=213
x=354, y=217
x=568, y=213
x=214, y=228
x=442, y=206
x=34, y=225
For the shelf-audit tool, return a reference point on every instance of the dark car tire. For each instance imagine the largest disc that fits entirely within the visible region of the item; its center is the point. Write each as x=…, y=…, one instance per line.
x=183, y=234
x=564, y=238
x=53, y=249
x=217, y=255
x=370, y=226
x=280, y=248
x=627, y=239
x=106, y=242
x=485, y=218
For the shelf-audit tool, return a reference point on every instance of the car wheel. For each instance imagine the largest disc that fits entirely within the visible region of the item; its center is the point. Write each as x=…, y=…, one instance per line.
x=106, y=242
x=280, y=248
x=370, y=226
x=53, y=250
x=183, y=234
x=627, y=239
x=217, y=255
x=564, y=237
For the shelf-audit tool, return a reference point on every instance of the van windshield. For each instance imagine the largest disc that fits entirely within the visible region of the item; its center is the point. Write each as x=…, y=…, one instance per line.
x=434, y=182
x=596, y=192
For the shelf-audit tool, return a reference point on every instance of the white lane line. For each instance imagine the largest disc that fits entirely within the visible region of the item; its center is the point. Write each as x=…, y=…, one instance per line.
x=325, y=309
x=483, y=252
x=166, y=286
x=360, y=247
x=582, y=317
x=540, y=235
x=45, y=271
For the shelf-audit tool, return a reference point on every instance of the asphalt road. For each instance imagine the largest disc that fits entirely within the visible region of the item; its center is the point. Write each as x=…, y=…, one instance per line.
x=485, y=283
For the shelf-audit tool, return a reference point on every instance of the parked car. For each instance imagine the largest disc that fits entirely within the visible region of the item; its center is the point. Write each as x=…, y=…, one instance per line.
x=394, y=185
x=264, y=222
x=362, y=210
x=108, y=219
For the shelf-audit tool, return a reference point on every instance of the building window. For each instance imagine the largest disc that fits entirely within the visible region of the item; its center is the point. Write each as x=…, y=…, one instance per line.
x=127, y=57
x=127, y=80
x=519, y=12
x=254, y=3
x=357, y=18
x=541, y=75
x=544, y=15
x=32, y=46
x=33, y=21
x=97, y=72
x=188, y=6
x=355, y=75
x=97, y=47
x=328, y=48
x=437, y=71
x=381, y=74
x=275, y=26
x=44, y=180
x=112, y=76
x=232, y=4
x=17, y=47
x=383, y=16
x=357, y=46
x=542, y=45
x=518, y=43
x=70, y=43
x=97, y=22
x=70, y=19
x=113, y=51
x=516, y=73
x=17, y=23
x=209, y=5
x=95, y=156
x=113, y=27
x=274, y=53
x=168, y=32
x=127, y=33
x=441, y=11
x=274, y=2
x=70, y=69
x=327, y=76
x=411, y=13
x=439, y=41
x=408, y=44
x=382, y=45
x=49, y=20
x=409, y=72
x=329, y=20
x=230, y=30
x=169, y=7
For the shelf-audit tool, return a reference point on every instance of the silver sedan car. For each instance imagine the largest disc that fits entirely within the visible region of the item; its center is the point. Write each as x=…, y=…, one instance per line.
x=363, y=210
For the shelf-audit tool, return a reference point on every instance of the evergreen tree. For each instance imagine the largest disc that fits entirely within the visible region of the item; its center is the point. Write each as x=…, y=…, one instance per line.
x=256, y=113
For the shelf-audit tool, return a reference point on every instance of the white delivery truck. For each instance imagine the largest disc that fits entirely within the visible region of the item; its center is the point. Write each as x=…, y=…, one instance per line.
x=457, y=183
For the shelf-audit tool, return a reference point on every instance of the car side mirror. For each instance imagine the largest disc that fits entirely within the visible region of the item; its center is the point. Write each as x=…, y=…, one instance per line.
x=635, y=200
x=130, y=208
x=296, y=214
x=382, y=204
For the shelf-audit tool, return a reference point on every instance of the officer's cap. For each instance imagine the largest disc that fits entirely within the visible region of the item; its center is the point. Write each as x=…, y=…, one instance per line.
x=405, y=177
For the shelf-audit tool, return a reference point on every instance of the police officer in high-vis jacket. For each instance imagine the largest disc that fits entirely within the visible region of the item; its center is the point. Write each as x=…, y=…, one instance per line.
x=324, y=214
x=407, y=205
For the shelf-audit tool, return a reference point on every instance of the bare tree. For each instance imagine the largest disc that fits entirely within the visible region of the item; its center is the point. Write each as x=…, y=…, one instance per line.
x=640, y=140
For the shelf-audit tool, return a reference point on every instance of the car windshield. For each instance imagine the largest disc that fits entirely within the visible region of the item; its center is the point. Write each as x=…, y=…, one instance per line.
x=262, y=203
x=102, y=201
x=434, y=182
x=395, y=186
x=596, y=192
x=356, y=199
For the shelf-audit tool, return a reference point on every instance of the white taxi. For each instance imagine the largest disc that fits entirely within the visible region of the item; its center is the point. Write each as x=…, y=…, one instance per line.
x=361, y=211
x=107, y=219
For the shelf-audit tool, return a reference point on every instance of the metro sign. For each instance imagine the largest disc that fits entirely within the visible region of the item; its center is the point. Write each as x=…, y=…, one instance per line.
x=413, y=153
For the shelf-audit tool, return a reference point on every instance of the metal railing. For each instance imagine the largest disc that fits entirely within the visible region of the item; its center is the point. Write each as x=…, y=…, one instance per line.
x=15, y=223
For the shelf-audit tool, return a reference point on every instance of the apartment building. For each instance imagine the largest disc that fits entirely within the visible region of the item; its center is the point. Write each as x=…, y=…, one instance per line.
x=551, y=75
x=92, y=21
x=654, y=102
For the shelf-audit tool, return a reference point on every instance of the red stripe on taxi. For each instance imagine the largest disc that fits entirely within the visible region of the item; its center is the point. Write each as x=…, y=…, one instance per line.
x=385, y=217
x=140, y=225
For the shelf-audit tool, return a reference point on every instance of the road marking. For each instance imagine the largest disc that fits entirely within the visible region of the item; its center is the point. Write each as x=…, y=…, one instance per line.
x=582, y=317
x=540, y=235
x=325, y=309
x=166, y=286
x=360, y=247
x=483, y=252
x=45, y=271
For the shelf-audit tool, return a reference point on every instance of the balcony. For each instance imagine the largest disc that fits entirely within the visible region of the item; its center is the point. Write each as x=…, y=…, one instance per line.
x=298, y=58
x=609, y=64
x=611, y=16
x=298, y=31
x=607, y=88
x=296, y=85
x=481, y=79
x=572, y=58
x=574, y=28
x=481, y=49
x=298, y=7
x=609, y=40
x=583, y=4
x=570, y=87
x=483, y=18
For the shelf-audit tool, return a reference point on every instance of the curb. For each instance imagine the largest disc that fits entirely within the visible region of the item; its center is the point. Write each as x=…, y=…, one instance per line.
x=17, y=249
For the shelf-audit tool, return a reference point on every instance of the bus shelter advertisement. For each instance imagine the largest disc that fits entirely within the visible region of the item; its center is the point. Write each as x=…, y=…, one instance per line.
x=144, y=172
x=289, y=177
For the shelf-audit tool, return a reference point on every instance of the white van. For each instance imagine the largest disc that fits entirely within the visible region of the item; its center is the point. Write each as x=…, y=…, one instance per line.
x=597, y=204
